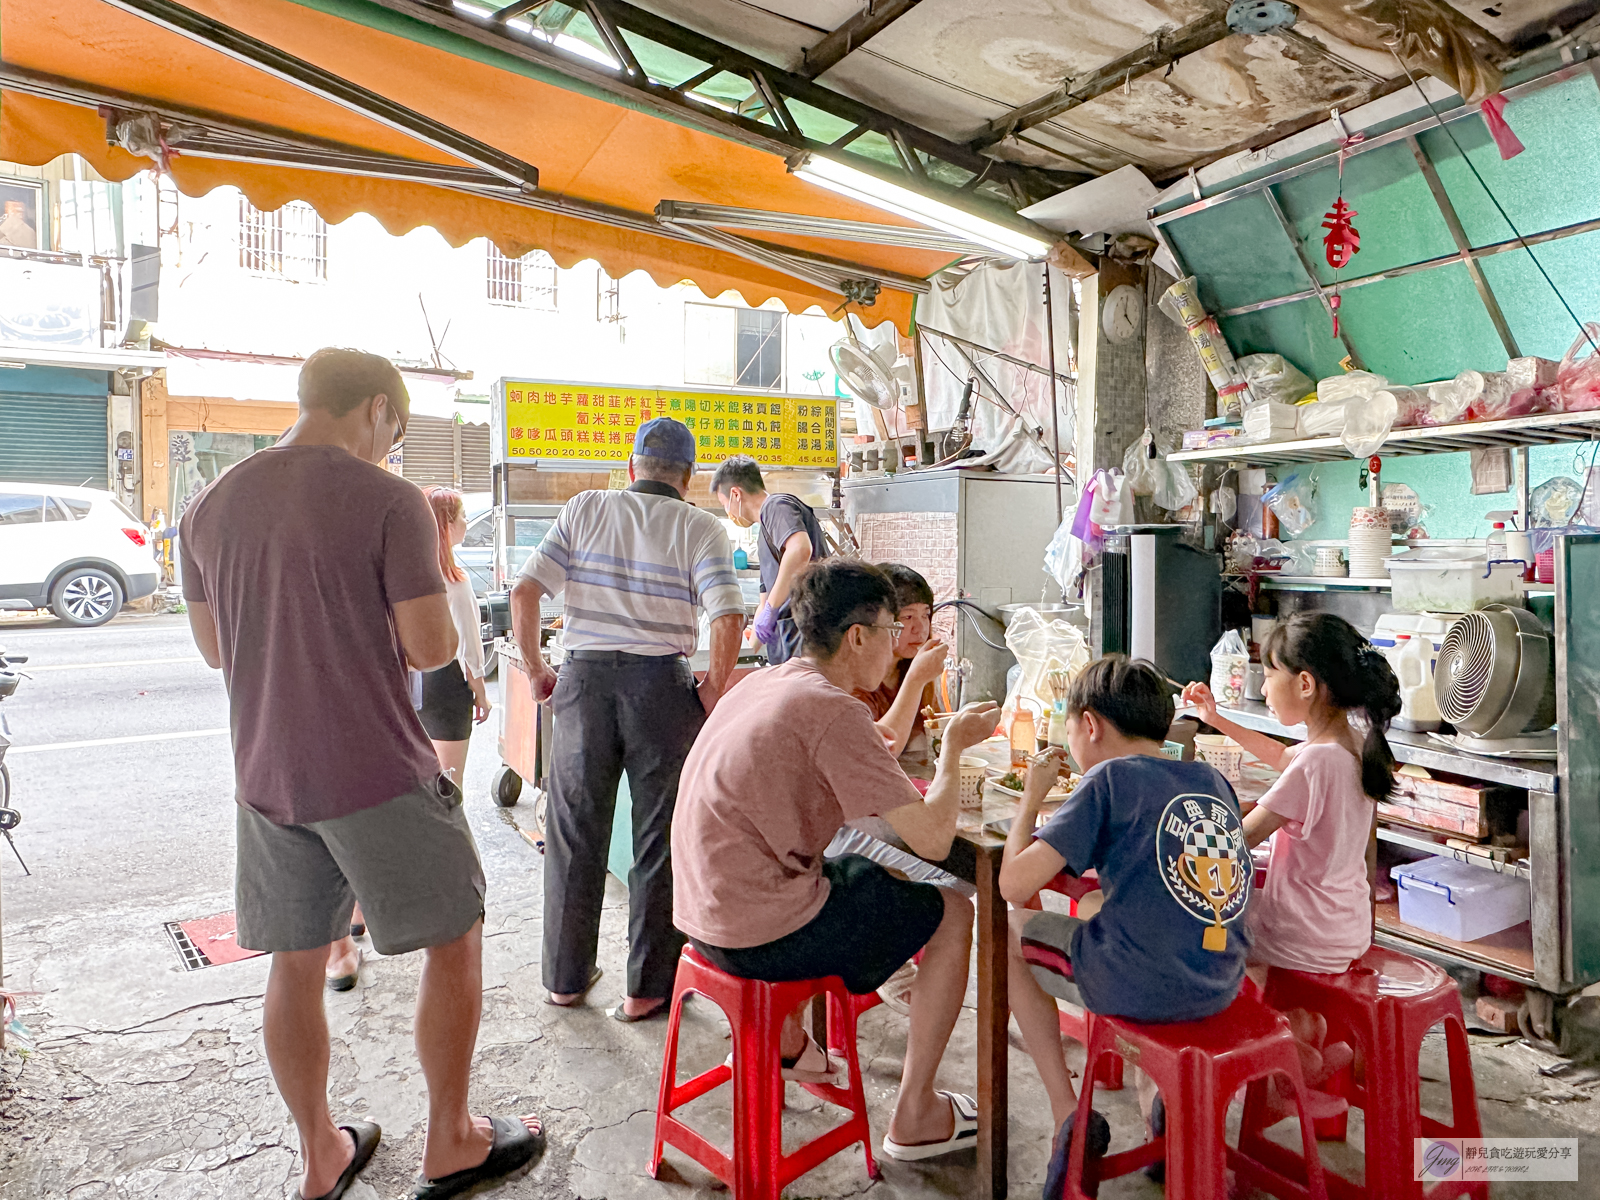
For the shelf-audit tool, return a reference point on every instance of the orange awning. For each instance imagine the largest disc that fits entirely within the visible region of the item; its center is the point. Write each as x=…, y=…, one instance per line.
x=584, y=147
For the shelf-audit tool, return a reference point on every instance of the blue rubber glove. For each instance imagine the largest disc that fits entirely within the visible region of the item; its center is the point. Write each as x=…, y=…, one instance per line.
x=766, y=625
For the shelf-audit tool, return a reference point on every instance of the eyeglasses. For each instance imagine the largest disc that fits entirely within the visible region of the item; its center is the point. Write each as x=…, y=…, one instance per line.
x=896, y=628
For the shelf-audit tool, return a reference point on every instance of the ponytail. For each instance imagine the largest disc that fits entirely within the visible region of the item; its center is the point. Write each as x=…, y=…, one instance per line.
x=1357, y=677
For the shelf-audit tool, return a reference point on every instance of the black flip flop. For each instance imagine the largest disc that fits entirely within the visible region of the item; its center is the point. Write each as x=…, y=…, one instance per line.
x=366, y=1135
x=621, y=1013
x=594, y=978
x=514, y=1148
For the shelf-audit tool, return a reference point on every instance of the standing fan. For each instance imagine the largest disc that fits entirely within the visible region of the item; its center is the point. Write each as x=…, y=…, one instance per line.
x=1496, y=683
x=878, y=377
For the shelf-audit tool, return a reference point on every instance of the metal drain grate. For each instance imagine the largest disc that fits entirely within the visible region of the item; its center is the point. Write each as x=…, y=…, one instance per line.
x=193, y=957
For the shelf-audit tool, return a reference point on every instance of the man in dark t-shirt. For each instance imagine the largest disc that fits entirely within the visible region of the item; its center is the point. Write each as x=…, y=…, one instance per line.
x=791, y=537
x=312, y=580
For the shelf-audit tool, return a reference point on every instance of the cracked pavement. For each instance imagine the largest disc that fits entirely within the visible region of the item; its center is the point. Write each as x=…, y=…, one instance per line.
x=149, y=1081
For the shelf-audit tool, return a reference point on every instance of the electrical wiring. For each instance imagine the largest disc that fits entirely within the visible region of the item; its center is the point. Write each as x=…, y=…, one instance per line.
x=966, y=607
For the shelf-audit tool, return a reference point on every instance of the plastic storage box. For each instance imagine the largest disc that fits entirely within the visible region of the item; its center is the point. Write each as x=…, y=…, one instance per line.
x=1451, y=579
x=1460, y=900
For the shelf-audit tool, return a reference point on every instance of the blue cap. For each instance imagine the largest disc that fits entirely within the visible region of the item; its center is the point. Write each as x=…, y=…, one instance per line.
x=663, y=437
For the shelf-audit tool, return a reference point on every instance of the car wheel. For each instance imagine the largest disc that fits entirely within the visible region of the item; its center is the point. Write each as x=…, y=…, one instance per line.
x=86, y=597
x=507, y=787
x=491, y=660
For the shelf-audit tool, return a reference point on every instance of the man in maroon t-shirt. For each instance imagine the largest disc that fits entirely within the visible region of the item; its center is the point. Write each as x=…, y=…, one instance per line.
x=312, y=580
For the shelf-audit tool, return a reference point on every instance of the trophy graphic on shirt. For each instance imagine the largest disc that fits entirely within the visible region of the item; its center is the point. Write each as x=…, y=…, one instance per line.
x=1210, y=865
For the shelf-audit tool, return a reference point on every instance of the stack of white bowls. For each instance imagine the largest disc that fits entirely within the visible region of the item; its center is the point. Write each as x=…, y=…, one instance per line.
x=1370, y=543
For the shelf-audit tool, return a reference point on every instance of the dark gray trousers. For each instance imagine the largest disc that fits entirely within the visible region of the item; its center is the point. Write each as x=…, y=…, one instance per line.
x=615, y=712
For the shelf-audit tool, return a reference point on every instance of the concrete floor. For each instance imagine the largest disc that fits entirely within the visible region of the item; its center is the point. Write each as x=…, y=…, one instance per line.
x=149, y=1081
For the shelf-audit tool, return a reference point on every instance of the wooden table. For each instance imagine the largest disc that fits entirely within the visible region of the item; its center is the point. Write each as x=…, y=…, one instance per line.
x=975, y=857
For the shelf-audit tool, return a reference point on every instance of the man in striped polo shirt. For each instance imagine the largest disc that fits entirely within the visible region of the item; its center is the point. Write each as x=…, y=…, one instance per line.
x=635, y=566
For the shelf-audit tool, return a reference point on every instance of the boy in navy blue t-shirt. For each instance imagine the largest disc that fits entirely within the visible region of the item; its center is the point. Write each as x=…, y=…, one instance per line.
x=1165, y=839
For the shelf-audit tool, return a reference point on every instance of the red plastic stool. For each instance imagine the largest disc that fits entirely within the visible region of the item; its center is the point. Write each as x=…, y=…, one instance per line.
x=758, y=1168
x=1199, y=1065
x=1383, y=1006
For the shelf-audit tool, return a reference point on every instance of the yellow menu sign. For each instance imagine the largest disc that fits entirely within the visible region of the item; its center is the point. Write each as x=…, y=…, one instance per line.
x=596, y=422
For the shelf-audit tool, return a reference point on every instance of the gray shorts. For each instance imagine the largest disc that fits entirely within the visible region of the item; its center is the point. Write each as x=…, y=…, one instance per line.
x=411, y=861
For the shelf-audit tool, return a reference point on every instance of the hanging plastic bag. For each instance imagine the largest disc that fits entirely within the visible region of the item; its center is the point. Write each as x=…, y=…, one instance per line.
x=1174, y=489
x=1367, y=423
x=1063, y=557
x=1291, y=502
x=1579, y=378
x=1113, y=501
x=1230, y=660
x=1554, y=502
x=1139, y=471
x=1274, y=378
x=1041, y=646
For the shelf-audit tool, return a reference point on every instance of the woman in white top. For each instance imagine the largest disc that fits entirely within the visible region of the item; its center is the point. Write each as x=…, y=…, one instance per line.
x=454, y=695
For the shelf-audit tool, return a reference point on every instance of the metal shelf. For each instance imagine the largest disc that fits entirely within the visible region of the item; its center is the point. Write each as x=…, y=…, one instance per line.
x=1276, y=582
x=1418, y=748
x=1418, y=839
x=1542, y=430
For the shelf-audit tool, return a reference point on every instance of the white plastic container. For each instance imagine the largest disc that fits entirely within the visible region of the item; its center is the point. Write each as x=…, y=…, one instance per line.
x=1412, y=660
x=1450, y=579
x=1460, y=900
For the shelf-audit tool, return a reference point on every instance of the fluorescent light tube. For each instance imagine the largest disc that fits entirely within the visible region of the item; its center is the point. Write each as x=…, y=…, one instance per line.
x=859, y=185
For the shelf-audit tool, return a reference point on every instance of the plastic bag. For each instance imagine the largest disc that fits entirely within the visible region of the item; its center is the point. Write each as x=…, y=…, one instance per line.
x=1063, y=557
x=1174, y=489
x=1579, y=378
x=1367, y=423
x=1410, y=406
x=1554, y=502
x=1139, y=471
x=1113, y=501
x=1274, y=378
x=1291, y=502
x=1041, y=646
x=1230, y=659
x=1531, y=372
x=1337, y=388
x=1492, y=394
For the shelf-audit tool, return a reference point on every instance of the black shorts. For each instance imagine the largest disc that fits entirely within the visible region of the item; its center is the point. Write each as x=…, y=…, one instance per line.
x=869, y=927
x=446, y=704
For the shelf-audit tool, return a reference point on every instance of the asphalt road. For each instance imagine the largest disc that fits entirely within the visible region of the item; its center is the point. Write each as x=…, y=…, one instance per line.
x=121, y=768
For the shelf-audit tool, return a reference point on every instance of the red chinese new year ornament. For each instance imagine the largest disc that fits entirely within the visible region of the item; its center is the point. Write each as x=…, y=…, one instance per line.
x=1343, y=241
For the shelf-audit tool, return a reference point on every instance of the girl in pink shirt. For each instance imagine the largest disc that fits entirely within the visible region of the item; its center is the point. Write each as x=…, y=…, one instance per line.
x=1315, y=912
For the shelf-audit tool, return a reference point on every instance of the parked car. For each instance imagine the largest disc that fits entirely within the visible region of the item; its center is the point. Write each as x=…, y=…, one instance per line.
x=80, y=551
x=530, y=522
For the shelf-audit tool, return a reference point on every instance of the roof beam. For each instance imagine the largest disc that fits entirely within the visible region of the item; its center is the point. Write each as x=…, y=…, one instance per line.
x=676, y=102
x=872, y=20
x=1158, y=52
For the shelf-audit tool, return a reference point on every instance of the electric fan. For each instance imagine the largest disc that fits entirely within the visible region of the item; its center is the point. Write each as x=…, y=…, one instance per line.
x=1495, y=681
x=878, y=376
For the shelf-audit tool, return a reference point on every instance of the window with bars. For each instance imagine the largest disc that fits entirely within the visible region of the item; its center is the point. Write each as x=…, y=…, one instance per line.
x=528, y=282
x=290, y=242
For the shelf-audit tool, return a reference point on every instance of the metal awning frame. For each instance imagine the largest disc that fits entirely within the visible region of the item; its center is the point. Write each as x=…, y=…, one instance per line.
x=768, y=125
x=189, y=132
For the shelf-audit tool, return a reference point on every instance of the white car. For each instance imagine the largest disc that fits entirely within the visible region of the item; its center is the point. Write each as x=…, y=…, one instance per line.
x=80, y=551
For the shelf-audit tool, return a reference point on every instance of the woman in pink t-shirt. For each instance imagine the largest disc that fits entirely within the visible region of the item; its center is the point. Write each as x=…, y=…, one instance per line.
x=1315, y=912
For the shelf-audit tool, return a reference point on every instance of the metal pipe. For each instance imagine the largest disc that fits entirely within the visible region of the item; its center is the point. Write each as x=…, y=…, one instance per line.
x=1055, y=408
